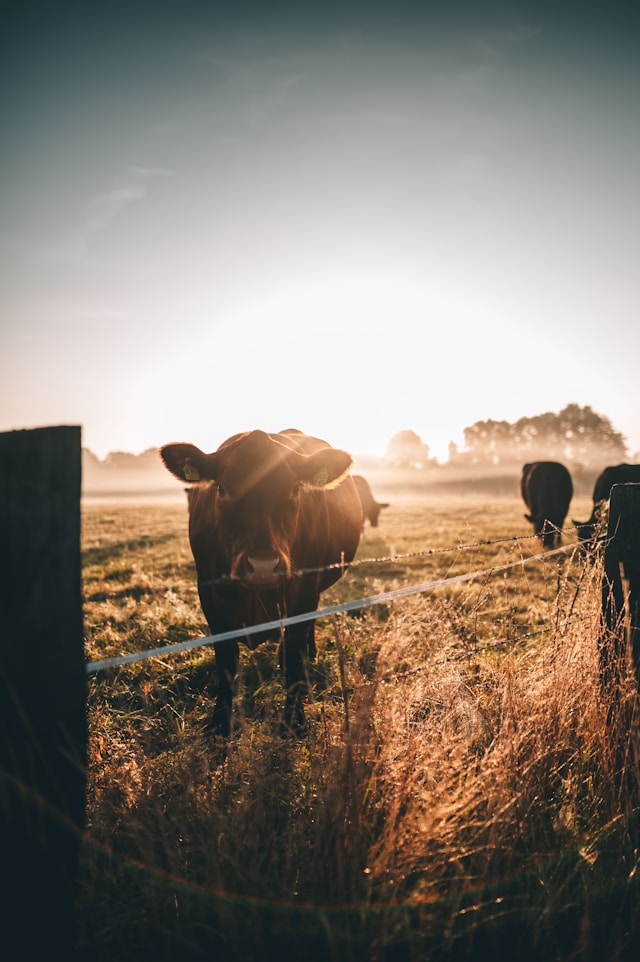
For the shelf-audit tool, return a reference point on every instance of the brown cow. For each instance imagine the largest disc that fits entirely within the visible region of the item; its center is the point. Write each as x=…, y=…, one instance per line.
x=269, y=514
x=370, y=507
x=546, y=489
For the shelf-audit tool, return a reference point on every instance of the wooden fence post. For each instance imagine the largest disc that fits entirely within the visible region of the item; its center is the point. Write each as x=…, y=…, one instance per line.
x=43, y=726
x=620, y=638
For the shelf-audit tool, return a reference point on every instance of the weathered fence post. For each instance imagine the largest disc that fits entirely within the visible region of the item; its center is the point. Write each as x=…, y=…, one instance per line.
x=620, y=638
x=42, y=690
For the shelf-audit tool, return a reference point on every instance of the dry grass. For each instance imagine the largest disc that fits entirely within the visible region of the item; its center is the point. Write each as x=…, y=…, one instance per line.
x=460, y=793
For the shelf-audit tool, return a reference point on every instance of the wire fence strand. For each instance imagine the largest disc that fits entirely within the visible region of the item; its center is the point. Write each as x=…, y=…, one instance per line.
x=347, y=606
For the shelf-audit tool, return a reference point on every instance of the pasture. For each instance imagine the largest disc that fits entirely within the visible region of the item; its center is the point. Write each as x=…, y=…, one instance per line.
x=459, y=794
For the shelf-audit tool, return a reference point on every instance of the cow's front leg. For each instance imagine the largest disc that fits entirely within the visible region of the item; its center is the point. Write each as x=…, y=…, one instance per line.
x=297, y=641
x=227, y=655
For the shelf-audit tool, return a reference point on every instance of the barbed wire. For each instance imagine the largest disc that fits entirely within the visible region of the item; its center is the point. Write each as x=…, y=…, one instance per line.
x=279, y=624
x=390, y=559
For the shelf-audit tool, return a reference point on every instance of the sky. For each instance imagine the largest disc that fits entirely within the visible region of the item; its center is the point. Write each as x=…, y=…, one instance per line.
x=353, y=218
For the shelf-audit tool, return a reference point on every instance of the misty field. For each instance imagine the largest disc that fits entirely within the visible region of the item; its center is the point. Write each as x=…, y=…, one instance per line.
x=461, y=793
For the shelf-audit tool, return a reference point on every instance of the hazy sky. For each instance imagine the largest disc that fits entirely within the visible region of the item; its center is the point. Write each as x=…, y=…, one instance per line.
x=349, y=218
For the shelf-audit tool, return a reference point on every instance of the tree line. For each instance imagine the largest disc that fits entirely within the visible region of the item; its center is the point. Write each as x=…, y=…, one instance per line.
x=576, y=435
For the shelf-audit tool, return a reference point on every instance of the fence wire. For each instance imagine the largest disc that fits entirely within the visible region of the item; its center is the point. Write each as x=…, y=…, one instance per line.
x=347, y=606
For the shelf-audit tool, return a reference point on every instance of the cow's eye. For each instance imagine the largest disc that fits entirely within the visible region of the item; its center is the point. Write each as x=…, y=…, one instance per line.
x=295, y=493
x=220, y=490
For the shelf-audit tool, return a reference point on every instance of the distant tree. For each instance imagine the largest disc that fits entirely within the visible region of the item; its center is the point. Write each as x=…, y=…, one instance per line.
x=590, y=438
x=124, y=461
x=150, y=459
x=489, y=442
x=577, y=434
x=90, y=464
x=89, y=459
x=406, y=449
x=121, y=470
x=121, y=461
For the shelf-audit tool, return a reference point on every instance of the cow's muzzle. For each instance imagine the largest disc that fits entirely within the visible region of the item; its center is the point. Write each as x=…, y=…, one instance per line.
x=263, y=570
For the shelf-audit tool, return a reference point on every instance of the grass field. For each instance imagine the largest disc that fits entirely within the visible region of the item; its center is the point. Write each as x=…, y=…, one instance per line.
x=460, y=795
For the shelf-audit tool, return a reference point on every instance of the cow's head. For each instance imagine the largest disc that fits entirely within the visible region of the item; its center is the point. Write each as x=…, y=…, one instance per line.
x=374, y=513
x=257, y=483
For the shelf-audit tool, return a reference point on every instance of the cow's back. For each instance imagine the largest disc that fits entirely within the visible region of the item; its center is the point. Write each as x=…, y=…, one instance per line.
x=365, y=494
x=525, y=480
x=614, y=474
x=546, y=489
x=545, y=481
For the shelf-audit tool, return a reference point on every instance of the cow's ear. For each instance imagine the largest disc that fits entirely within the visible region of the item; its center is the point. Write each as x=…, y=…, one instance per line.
x=326, y=468
x=186, y=462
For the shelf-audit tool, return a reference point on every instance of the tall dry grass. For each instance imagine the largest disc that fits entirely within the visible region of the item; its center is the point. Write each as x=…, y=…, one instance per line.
x=460, y=795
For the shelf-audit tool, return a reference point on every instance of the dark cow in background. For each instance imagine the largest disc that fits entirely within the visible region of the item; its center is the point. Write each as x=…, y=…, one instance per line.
x=370, y=507
x=613, y=474
x=268, y=513
x=546, y=489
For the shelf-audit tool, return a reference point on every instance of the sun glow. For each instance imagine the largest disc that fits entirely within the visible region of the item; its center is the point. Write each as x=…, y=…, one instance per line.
x=309, y=345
